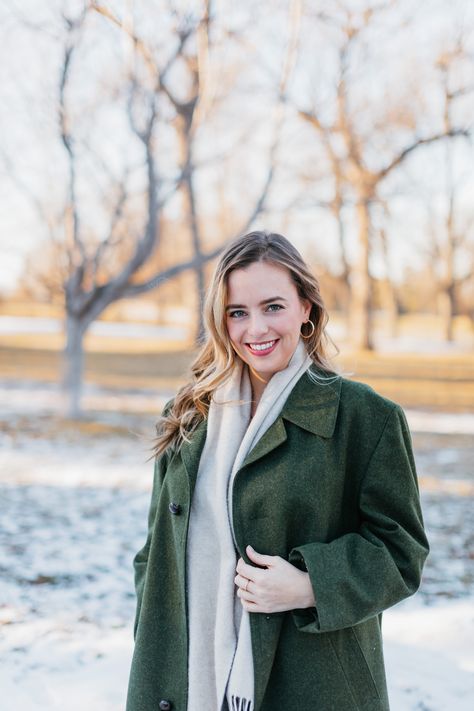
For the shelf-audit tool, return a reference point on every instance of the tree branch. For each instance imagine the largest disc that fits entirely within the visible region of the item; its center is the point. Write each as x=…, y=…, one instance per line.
x=140, y=46
x=419, y=142
x=73, y=26
x=167, y=274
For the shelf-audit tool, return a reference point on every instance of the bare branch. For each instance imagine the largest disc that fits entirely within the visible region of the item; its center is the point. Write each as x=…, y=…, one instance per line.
x=72, y=216
x=162, y=276
x=109, y=241
x=289, y=61
x=313, y=120
x=413, y=146
x=158, y=75
x=207, y=88
x=167, y=274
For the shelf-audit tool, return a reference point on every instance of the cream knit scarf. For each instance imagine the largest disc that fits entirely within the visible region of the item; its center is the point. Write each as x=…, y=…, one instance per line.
x=220, y=661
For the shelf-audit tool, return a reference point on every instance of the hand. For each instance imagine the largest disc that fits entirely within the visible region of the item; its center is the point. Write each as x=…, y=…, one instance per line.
x=279, y=587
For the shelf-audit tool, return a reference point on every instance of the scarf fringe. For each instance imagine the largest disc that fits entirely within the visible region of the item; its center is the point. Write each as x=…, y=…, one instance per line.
x=239, y=704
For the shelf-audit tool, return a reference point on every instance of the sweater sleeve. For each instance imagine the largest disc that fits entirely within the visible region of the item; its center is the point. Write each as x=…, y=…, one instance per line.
x=360, y=574
x=141, y=558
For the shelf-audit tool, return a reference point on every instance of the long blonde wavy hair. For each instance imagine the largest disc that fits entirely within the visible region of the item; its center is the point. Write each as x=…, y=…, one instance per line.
x=216, y=357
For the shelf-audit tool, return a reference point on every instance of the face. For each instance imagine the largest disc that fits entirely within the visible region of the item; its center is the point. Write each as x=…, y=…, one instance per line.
x=264, y=315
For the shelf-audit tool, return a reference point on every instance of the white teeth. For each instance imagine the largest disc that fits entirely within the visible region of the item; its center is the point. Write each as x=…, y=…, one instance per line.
x=261, y=346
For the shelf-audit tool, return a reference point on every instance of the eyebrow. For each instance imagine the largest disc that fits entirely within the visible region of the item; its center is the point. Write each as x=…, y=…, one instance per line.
x=262, y=303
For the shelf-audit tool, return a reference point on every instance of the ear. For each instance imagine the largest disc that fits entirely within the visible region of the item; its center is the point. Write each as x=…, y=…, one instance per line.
x=307, y=307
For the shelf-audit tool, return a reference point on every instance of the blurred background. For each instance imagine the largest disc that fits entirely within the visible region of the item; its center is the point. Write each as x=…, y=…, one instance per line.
x=138, y=138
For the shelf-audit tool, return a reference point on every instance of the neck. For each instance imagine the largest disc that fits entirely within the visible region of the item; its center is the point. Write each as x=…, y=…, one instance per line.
x=257, y=390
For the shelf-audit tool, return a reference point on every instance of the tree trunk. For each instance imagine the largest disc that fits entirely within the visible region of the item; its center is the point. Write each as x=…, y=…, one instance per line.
x=199, y=271
x=190, y=211
x=447, y=297
x=345, y=300
x=393, y=309
x=446, y=308
x=73, y=366
x=361, y=317
x=390, y=301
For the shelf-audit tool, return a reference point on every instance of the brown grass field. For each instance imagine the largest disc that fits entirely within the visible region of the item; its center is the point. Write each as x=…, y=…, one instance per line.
x=438, y=382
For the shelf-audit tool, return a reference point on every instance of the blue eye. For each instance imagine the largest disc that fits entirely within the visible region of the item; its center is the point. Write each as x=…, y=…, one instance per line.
x=232, y=314
x=239, y=313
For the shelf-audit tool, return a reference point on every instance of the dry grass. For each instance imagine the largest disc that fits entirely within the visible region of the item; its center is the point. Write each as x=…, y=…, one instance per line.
x=444, y=382
x=117, y=370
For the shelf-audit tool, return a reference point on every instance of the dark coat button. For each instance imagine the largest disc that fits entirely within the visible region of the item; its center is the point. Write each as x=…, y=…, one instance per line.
x=165, y=705
x=174, y=508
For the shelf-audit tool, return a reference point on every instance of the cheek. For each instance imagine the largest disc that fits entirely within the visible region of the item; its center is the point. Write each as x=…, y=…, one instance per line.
x=292, y=323
x=233, y=329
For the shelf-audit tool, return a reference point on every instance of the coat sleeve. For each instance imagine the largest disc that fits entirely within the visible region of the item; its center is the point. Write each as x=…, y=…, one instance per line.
x=140, y=560
x=360, y=574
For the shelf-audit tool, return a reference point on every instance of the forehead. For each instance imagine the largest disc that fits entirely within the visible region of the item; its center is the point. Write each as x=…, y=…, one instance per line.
x=259, y=281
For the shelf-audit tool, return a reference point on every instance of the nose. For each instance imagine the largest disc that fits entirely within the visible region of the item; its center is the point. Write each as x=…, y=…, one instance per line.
x=257, y=326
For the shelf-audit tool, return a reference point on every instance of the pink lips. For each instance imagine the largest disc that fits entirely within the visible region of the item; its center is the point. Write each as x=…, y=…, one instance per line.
x=266, y=351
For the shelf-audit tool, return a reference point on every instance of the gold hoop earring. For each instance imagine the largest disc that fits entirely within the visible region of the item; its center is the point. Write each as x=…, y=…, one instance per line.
x=312, y=332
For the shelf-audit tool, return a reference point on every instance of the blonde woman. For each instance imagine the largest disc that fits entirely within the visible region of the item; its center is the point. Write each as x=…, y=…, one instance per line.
x=284, y=515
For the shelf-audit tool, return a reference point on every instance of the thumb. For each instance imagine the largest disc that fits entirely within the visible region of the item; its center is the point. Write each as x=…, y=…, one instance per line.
x=259, y=558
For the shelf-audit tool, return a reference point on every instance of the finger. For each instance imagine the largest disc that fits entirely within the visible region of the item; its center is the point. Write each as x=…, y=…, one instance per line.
x=251, y=606
x=248, y=571
x=246, y=596
x=241, y=581
x=260, y=558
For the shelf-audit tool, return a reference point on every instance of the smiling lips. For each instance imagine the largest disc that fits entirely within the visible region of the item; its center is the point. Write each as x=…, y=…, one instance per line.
x=261, y=349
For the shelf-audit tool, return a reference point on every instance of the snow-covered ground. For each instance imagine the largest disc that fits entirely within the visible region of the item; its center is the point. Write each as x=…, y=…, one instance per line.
x=73, y=512
x=10, y=325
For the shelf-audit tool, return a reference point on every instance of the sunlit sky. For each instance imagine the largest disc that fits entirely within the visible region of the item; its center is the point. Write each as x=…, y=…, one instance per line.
x=32, y=160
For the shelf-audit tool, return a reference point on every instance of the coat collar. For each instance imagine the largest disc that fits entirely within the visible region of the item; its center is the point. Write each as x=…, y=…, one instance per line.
x=311, y=405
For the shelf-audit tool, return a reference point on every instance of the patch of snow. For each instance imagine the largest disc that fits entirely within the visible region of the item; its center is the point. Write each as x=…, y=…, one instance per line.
x=430, y=656
x=440, y=422
x=35, y=397
x=74, y=512
x=10, y=325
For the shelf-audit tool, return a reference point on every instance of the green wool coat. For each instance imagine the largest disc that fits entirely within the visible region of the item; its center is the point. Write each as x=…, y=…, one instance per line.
x=332, y=488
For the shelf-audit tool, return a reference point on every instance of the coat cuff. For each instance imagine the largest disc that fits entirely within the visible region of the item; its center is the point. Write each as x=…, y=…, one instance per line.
x=305, y=619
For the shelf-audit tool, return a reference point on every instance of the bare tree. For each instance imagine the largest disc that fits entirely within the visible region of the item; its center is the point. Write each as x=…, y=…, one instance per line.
x=455, y=238
x=192, y=110
x=349, y=152
x=90, y=287
x=87, y=291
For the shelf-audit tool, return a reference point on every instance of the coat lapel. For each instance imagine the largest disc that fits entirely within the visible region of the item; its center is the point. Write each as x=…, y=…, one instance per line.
x=311, y=405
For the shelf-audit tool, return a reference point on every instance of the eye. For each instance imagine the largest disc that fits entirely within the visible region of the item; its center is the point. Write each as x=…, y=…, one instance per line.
x=275, y=307
x=235, y=314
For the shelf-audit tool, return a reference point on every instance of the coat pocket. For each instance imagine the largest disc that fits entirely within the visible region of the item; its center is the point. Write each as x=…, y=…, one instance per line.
x=354, y=665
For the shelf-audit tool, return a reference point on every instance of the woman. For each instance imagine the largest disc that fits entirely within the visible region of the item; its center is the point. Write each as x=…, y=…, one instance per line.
x=284, y=516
